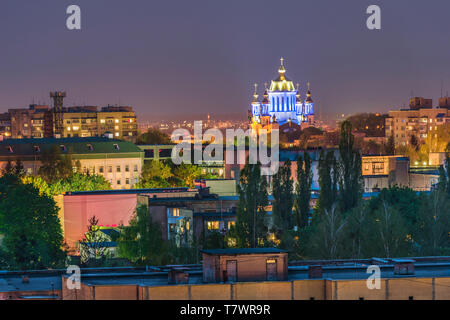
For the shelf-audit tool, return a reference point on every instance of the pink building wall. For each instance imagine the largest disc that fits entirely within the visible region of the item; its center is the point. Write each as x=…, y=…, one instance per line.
x=110, y=209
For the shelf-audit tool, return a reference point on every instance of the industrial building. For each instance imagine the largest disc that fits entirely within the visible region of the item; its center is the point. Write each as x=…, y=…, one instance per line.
x=427, y=279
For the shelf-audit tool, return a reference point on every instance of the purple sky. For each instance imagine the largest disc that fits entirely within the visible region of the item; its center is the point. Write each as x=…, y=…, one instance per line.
x=177, y=57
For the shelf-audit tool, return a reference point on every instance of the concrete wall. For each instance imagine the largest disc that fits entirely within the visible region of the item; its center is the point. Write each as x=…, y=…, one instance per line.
x=309, y=289
x=391, y=289
x=278, y=290
x=20, y=295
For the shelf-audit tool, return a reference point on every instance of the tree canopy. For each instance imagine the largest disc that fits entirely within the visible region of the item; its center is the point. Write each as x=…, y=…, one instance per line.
x=31, y=227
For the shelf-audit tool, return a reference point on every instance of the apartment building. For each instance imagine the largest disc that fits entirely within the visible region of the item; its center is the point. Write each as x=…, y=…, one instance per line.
x=420, y=120
x=37, y=121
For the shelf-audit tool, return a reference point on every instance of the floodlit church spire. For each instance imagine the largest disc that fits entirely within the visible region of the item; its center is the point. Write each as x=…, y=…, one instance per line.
x=308, y=94
x=255, y=94
x=282, y=69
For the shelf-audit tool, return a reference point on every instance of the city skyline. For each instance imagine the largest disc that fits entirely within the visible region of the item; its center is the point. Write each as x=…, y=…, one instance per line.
x=173, y=59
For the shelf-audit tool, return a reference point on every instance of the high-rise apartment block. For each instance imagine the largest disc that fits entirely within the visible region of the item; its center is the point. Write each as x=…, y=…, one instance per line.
x=38, y=121
x=420, y=120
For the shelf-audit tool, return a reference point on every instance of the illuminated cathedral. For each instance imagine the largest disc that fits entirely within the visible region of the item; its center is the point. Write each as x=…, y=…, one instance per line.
x=281, y=104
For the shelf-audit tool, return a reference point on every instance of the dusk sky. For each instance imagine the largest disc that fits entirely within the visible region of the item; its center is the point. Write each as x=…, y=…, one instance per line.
x=179, y=57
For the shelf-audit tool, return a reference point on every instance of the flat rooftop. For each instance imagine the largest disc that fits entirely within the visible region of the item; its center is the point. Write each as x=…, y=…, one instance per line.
x=46, y=280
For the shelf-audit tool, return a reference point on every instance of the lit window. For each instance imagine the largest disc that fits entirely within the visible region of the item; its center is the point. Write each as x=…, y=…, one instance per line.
x=117, y=134
x=76, y=128
x=116, y=120
x=231, y=224
x=213, y=225
x=102, y=120
x=176, y=212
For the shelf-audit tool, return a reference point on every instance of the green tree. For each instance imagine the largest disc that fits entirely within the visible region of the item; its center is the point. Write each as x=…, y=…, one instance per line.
x=38, y=183
x=81, y=182
x=414, y=142
x=153, y=136
x=187, y=173
x=434, y=222
x=55, y=166
x=389, y=147
x=250, y=227
x=76, y=182
x=92, y=247
x=404, y=200
x=303, y=186
x=328, y=181
x=328, y=234
x=283, y=202
x=155, y=174
x=31, y=227
x=18, y=168
x=141, y=241
x=358, y=230
x=390, y=237
x=9, y=168
x=370, y=123
x=350, y=180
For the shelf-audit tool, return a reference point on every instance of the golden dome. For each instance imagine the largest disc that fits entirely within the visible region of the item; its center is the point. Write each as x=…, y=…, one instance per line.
x=282, y=83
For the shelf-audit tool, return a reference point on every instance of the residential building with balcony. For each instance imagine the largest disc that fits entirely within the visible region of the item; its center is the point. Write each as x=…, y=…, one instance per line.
x=420, y=120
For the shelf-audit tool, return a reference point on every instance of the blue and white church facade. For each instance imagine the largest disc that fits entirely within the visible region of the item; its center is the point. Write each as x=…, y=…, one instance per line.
x=281, y=104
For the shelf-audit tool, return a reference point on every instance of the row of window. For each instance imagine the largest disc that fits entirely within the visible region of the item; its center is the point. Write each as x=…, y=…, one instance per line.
x=101, y=169
x=127, y=181
x=214, y=225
